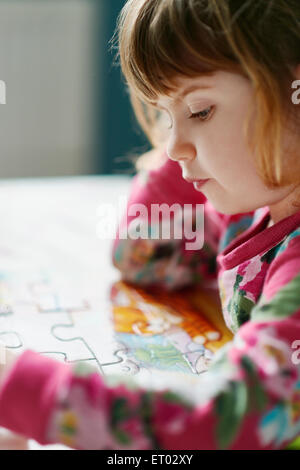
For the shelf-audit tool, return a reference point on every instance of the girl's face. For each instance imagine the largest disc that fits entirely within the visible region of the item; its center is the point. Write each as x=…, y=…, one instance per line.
x=212, y=145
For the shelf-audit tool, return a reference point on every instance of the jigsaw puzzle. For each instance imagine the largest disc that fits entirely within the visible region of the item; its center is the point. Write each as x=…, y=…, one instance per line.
x=124, y=331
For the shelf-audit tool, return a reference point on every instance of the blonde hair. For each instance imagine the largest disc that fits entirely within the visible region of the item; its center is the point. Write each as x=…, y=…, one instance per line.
x=159, y=40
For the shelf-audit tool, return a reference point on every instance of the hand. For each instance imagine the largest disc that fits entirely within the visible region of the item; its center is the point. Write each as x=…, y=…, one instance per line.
x=7, y=357
x=11, y=441
x=152, y=159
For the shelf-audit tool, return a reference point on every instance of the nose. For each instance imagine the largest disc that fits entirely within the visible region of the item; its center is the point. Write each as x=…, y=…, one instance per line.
x=179, y=149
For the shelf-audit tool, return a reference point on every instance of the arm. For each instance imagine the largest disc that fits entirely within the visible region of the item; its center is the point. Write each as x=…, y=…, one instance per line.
x=168, y=262
x=248, y=399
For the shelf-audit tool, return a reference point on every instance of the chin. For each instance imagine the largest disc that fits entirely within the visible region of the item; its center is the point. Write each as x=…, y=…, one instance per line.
x=226, y=209
x=230, y=205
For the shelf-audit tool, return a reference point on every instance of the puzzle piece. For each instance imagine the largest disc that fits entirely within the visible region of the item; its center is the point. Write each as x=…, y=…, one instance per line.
x=34, y=308
x=48, y=293
x=49, y=301
x=28, y=329
x=11, y=339
x=95, y=330
x=158, y=353
x=124, y=365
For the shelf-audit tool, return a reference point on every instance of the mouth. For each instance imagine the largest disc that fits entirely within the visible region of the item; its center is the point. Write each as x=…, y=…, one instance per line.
x=198, y=184
x=193, y=180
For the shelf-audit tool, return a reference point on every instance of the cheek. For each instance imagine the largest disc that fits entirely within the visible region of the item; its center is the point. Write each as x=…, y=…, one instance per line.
x=225, y=152
x=223, y=162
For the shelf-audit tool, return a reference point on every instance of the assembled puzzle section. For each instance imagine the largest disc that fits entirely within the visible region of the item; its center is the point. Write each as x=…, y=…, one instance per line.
x=35, y=307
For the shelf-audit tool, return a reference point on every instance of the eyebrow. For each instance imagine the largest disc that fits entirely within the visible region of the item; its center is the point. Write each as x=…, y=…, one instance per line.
x=185, y=92
x=191, y=88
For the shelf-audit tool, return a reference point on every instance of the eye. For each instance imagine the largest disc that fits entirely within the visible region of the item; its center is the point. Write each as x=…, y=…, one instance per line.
x=203, y=115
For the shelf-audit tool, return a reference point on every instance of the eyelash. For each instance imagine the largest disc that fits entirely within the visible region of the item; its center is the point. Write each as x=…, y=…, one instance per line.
x=198, y=115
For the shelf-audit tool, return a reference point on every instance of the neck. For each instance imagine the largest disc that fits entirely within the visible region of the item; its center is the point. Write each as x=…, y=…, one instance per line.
x=287, y=206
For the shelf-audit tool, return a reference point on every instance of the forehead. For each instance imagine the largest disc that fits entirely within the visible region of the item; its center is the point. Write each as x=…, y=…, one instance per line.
x=181, y=81
x=186, y=85
x=220, y=83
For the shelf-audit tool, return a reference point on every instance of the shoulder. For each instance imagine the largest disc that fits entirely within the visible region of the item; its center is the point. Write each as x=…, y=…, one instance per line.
x=290, y=245
x=285, y=264
x=280, y=295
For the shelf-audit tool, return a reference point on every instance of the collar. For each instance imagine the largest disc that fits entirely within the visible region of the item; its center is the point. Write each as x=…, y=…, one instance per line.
x=257, y=238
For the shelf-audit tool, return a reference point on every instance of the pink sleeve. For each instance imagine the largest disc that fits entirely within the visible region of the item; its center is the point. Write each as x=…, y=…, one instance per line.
x=167, y=262
x=53, y=402
x=28, y=393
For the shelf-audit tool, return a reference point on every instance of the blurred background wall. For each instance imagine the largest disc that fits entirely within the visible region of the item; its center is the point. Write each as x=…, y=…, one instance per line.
x=121, y=136
x=67, y=111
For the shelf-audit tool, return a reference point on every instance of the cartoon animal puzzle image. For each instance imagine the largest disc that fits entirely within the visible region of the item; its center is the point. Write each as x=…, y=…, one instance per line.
x=177, y=331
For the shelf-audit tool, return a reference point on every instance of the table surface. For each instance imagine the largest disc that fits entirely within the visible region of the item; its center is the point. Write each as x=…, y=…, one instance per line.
x=56, y=274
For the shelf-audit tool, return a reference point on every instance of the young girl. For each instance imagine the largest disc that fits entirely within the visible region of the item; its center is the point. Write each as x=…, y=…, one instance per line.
x=224, y=74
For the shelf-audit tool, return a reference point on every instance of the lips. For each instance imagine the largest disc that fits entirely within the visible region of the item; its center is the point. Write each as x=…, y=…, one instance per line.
x=198, y=184
x=194, y=180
